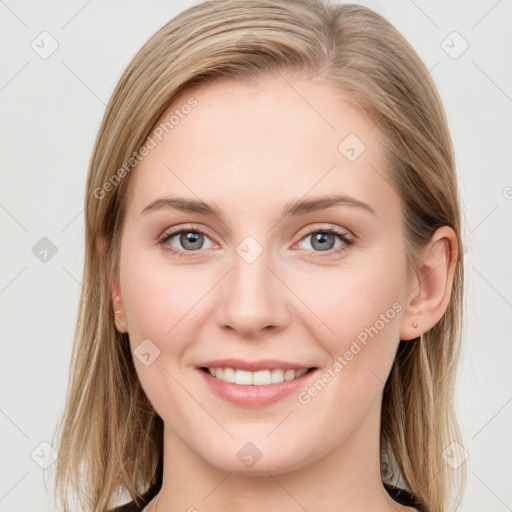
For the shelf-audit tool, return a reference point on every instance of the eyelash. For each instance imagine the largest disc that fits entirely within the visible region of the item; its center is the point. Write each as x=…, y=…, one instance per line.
x=347, y=241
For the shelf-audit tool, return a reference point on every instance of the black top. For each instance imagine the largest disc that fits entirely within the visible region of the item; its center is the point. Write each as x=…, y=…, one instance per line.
x=403, y=497
x=400, y=495
x=146, y=498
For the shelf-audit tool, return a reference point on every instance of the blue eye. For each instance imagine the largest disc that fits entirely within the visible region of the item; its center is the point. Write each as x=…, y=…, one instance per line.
x=323, y=240
x=192, y=239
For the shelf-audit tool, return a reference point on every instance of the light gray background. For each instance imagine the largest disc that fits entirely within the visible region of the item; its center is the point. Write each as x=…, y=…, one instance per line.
x=51, y=111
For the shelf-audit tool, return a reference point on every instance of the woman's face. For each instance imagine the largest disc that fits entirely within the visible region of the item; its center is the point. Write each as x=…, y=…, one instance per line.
x=268, y=281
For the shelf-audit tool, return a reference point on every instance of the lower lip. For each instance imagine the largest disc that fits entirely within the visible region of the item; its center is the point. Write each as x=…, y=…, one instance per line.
x=251, y=395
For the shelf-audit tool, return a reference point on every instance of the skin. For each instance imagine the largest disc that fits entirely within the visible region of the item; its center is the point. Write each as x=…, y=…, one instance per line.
x=250, y=149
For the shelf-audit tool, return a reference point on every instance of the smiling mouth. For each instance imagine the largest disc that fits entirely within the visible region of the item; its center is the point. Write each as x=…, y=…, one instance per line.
x=257, y=378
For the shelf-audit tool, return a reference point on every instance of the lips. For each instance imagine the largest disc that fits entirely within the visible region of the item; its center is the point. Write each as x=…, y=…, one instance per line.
x=250, y=395
x=254, y=366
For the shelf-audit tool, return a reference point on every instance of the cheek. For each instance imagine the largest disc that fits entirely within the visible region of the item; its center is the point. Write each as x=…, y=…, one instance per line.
x=356, y=308
x=159, y=298
x=357, y=312
x=160, y=301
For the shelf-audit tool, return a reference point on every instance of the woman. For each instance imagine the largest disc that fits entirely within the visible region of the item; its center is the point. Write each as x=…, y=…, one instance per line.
x=272, y=300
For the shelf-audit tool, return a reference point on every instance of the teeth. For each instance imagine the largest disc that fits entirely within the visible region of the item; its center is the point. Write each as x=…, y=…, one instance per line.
x=259, y=378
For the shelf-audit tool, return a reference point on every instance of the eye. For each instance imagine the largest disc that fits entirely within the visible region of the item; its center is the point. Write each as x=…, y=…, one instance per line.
x=324, y=240
x=191, y=239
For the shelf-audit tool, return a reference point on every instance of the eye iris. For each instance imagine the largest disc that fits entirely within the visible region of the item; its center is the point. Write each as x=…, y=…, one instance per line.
x=321, y=238
x=193, y=237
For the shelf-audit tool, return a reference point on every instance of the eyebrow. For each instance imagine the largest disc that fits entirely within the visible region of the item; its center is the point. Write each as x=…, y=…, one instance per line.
x=303, y=206
x=294, y=208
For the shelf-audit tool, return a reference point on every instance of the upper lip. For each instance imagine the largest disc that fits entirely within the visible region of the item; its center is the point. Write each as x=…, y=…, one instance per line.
x=253, y=366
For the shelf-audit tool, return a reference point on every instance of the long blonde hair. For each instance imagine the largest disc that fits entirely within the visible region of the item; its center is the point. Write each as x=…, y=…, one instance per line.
x=111, y=437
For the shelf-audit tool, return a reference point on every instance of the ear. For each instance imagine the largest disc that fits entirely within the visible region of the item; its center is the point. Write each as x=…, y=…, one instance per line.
x=430, y=287
x=117, y=302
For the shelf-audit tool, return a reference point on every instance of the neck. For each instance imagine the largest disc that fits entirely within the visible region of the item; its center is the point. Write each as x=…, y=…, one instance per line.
x=346, y=478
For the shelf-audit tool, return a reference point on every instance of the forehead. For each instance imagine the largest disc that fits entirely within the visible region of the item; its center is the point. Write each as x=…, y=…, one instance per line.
x=276, y=137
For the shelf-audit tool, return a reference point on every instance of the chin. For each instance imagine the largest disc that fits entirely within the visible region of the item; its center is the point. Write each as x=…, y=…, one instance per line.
x=249, y=460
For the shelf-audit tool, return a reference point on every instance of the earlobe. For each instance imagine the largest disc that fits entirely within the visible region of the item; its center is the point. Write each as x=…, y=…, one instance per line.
x=430, y=289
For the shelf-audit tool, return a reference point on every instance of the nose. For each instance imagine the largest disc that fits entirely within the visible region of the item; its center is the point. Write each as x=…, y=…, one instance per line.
x=254, y=298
